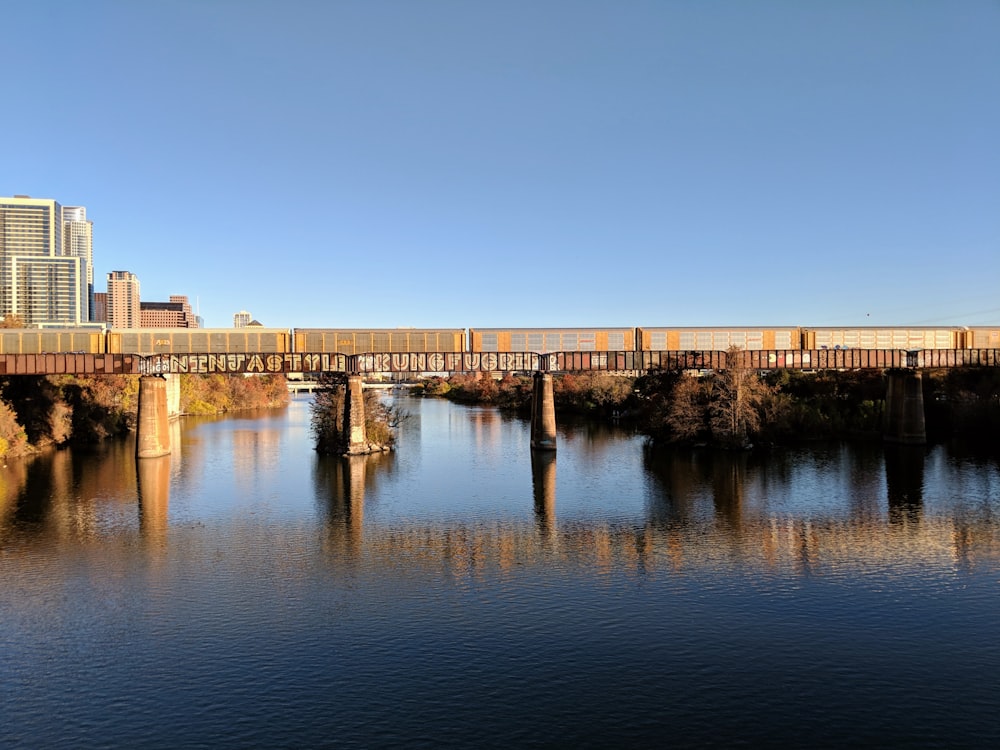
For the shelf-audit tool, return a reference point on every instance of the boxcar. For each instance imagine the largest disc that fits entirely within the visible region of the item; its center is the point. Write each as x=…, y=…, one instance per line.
x=892, y=337
x=198, y=340
x=551, y=339
x=51, y=340
x=379, y=340
x=982, y=337
x=718, y=339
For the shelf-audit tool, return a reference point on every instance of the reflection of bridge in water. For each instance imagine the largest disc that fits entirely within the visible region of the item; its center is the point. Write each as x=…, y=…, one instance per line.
x=699, y=517
x=674, y=536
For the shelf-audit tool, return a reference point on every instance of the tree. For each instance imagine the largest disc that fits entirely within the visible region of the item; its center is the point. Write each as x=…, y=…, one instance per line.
x=11, y=321
x=736, y=398
x=327, y=416
x=686, y=409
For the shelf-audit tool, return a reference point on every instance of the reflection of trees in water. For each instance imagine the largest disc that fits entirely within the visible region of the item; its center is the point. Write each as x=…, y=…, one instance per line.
x=65, y=493
x=707, y=501
x=589, y=437
x=690, y=480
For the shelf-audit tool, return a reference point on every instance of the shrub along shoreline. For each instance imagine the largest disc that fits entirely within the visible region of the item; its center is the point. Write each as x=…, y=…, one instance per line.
x=39, y=411
x=736, y=408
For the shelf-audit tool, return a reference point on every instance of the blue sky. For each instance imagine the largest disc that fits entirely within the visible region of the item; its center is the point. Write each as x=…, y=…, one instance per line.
x=453, y=163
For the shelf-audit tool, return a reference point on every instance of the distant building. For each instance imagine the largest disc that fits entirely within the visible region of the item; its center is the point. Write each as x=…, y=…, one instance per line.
x=242, y=319
x=123, y=300
x=78, y=242
x=99, y=312
x=176, y=313
x=45, y=258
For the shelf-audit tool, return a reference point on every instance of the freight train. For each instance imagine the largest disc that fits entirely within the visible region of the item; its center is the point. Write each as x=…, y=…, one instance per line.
x=364, y=341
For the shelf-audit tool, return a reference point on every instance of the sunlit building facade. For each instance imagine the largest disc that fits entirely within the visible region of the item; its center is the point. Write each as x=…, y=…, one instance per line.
x=242, y=319
x=176, y=313
x=123, y=300
x=78, y=242
x=42, y=280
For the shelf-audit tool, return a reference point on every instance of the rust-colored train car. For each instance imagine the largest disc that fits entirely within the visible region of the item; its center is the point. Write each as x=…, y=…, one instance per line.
x=982, y=337
x=199, y=340
x=379, y=340
x=543, y=340
x=700, y=339
x=51, y=340
x=890, y=337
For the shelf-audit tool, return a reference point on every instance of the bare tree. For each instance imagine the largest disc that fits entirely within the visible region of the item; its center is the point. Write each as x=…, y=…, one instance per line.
x=686, y=412
x=737, y=397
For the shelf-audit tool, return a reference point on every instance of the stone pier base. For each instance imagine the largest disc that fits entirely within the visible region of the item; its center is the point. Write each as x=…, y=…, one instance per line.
x=152, y=438
x=543, y=413
x=904, y=408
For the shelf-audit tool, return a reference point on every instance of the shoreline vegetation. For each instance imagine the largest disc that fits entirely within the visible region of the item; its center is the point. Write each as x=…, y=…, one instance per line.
x=42, y=411
x=327, y=419
x=743, y=408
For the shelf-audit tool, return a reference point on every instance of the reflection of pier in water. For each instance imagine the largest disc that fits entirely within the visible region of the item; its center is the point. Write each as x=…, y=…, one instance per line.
x=700, y=515
x=153, y=476
x=817, y=546
x=730, y=534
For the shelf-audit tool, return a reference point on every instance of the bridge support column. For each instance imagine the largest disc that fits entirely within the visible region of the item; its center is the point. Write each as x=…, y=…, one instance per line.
x=904, y=408
x=355, y=438
x=543, y=413
x=173, y=396
x=152, y=438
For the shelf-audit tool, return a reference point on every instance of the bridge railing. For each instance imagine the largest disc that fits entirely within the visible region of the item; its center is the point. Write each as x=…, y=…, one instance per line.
x=449, y=362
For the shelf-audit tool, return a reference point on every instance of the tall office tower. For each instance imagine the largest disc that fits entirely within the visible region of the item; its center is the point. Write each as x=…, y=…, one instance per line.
x=78, y=242
x=242, y=319
x=123, y=300
x=38, y=282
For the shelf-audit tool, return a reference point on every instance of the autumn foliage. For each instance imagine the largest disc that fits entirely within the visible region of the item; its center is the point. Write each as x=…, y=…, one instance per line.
x=42, y=410
x=218, y=394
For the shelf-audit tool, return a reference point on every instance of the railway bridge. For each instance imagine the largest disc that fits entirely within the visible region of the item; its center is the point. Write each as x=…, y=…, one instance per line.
x=904, y=400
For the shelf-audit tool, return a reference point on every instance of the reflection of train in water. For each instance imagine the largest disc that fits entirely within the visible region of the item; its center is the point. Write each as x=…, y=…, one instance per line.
x=365, y=341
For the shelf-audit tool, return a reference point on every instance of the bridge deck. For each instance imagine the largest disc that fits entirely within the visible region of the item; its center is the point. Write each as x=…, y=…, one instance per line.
x=618, y=361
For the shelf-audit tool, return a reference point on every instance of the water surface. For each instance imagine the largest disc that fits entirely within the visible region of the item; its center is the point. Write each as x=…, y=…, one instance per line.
x=244, y=592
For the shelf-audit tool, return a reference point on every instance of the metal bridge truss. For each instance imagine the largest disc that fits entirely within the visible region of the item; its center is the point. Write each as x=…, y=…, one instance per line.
x=451, y=362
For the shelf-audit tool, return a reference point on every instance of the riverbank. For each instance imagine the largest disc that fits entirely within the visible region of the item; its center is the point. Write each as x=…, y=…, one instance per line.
x=39, y=411
x=736, y=408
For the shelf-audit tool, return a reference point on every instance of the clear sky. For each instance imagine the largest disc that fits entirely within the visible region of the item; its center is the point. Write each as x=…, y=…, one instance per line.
x=508, y=163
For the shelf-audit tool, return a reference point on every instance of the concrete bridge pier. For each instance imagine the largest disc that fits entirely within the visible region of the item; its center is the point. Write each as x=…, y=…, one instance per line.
x=173, y=395
x=152, y=438
x=543, y=413
x=904, y=408
x=355, y=438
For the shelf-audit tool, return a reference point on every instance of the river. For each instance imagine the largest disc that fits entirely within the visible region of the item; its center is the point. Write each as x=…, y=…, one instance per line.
x=460, y=592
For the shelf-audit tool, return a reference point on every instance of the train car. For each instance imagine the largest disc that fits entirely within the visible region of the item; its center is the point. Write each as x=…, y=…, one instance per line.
x=718, y=339
x=982, y=337
x=378, y=340
x=890, y=337
x=198, y=340
x=51, y=340
x=543, y=340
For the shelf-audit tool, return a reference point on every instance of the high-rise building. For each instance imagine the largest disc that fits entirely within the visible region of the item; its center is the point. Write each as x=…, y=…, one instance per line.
x=242, y=319
x=123, y=300
x=176, y=313
x=39, y=281
x=78, y=242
